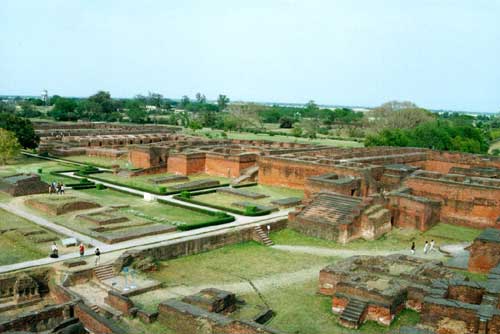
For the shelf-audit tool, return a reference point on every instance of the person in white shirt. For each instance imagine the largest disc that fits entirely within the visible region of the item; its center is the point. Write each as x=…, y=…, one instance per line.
x=55, y=251
x=431, y=248
x=426, y=247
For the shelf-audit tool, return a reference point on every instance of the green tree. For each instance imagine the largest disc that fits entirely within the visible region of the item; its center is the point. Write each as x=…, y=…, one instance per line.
x=28, y=110
x=136, y=112
x=222, y=102
x=200, y=98
x=22, y=128
x=195, y=125
x=7, y=107
x=286, y=122
x=64, y=110
x=184, y=102
x=9, y=146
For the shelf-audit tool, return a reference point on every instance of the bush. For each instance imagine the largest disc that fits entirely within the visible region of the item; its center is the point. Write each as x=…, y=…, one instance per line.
x=251, y=210
x=84, y=180
x=162, y=189
x=39, y=170
x=185, y=194
x=88, y=170
x=100, y=186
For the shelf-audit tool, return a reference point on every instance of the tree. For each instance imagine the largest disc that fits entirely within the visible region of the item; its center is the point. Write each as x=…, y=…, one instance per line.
x=6, y=107
x=246, y=115
x=64, y=110
x=184, y=102
x=200, y=98
x=398, y=115
x=195, y=125
x=286, y=122
x=155, y=99
x=28, y=110
x=22, y=128
x=136, y=112
x=222, y=102
x=9, y=146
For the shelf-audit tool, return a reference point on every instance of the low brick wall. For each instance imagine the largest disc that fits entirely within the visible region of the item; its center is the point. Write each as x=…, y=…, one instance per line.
x=196, y=245
x=38, y=321
x=119, y=302
x=94, y=322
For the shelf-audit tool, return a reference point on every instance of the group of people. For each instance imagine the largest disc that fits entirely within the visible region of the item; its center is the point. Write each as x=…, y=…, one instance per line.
x=428, y=247
x=55, y=252
x=56, y=188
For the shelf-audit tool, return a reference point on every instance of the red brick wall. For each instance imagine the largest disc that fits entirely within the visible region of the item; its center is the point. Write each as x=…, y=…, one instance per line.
x=472, y=206
x=226, y=165
x=186, y=164
x=466, y=294
x=432, y=314
x=94, y=322
x=139, y=159
x=408, y=213
x=484, y=256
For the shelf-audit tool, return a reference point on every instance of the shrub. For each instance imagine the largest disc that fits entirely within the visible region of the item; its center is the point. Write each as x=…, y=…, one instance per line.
x=84, y=181
x=162, y=189
x=185, y=194
x=250, y=210
x=39, y=170
x=100, y=186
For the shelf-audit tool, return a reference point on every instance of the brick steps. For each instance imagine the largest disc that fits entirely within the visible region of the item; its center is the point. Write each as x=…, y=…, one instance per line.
x=95, y=308
x=249, y=174
x=262, y=237
x=104, y=272
x=352, y=315
x=334, y=208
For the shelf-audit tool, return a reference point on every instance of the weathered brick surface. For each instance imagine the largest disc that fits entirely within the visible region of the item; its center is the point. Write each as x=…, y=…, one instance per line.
x=484, y=253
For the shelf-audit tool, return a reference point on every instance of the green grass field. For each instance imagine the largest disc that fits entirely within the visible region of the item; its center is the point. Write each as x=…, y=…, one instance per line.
x=100, y=161
x=278, y=138
x=15, y=247
x=226, y=200
x=143, y=181
x=397, y=239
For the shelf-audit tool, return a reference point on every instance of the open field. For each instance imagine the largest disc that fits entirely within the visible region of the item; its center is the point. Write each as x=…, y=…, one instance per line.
x=287, y=283
x=21, y=240
x=143, y=181
x=278, y=138
x=227, y=200
x=397, y=239
x=99, y=161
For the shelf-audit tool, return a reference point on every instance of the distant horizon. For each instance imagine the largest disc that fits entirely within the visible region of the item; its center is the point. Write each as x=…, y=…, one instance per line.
x=270, y=103
x=442, y=55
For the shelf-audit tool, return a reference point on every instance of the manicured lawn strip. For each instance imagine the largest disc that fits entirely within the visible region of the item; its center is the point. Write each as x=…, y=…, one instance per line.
x=219, y=207
x=397, y=239
x=151, y=189
x=97, y=161
x=220, y=217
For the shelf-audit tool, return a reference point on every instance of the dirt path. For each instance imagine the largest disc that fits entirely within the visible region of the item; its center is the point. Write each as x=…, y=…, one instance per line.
x=323, y=251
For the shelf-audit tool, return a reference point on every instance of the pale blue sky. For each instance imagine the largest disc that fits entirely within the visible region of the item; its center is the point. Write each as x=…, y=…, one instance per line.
x=437, y=53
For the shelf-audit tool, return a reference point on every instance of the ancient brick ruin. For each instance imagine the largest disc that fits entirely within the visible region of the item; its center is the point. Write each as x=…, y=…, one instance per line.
x=485, y=252
x=23, y=184
x=419, y=187
x=378, y=288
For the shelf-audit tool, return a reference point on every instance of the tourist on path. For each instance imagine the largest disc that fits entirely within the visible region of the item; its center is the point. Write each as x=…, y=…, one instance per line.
x=82, y=249
x=62, y=189
x=431, y=248
x=413, y=248
x=97, y=256
x=426, y=247
x=55, y=252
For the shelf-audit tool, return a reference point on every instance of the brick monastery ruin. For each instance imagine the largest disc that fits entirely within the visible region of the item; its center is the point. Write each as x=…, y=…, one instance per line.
x=349, y=194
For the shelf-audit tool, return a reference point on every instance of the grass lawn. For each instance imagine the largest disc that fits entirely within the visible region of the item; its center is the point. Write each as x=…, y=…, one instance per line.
x=226, y=200
x=397, y=239
x=15, y=247
x=279, y=138
x=299, y=309
x=139, y=211
x=143, y=181
x=99, y=161
x=25, y=164
x=494, y=146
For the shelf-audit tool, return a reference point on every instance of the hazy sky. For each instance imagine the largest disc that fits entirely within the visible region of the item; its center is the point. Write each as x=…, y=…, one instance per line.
x=437, y=53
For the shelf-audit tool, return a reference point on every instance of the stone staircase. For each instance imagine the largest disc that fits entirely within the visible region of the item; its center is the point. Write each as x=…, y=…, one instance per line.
x=95, y=308
x=261, y=237
x=333, y=208
x=248, y=174
x=353, y=314
x=104, y=272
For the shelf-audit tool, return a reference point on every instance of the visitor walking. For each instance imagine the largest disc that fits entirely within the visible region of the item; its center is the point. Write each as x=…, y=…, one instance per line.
x=268, y=229
x=426, y=247
x=82, y=250
x=62, y=189
x=50, y=189
x=97, y=256
x=55, y=252
x=412, y=249
x=431, y=248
